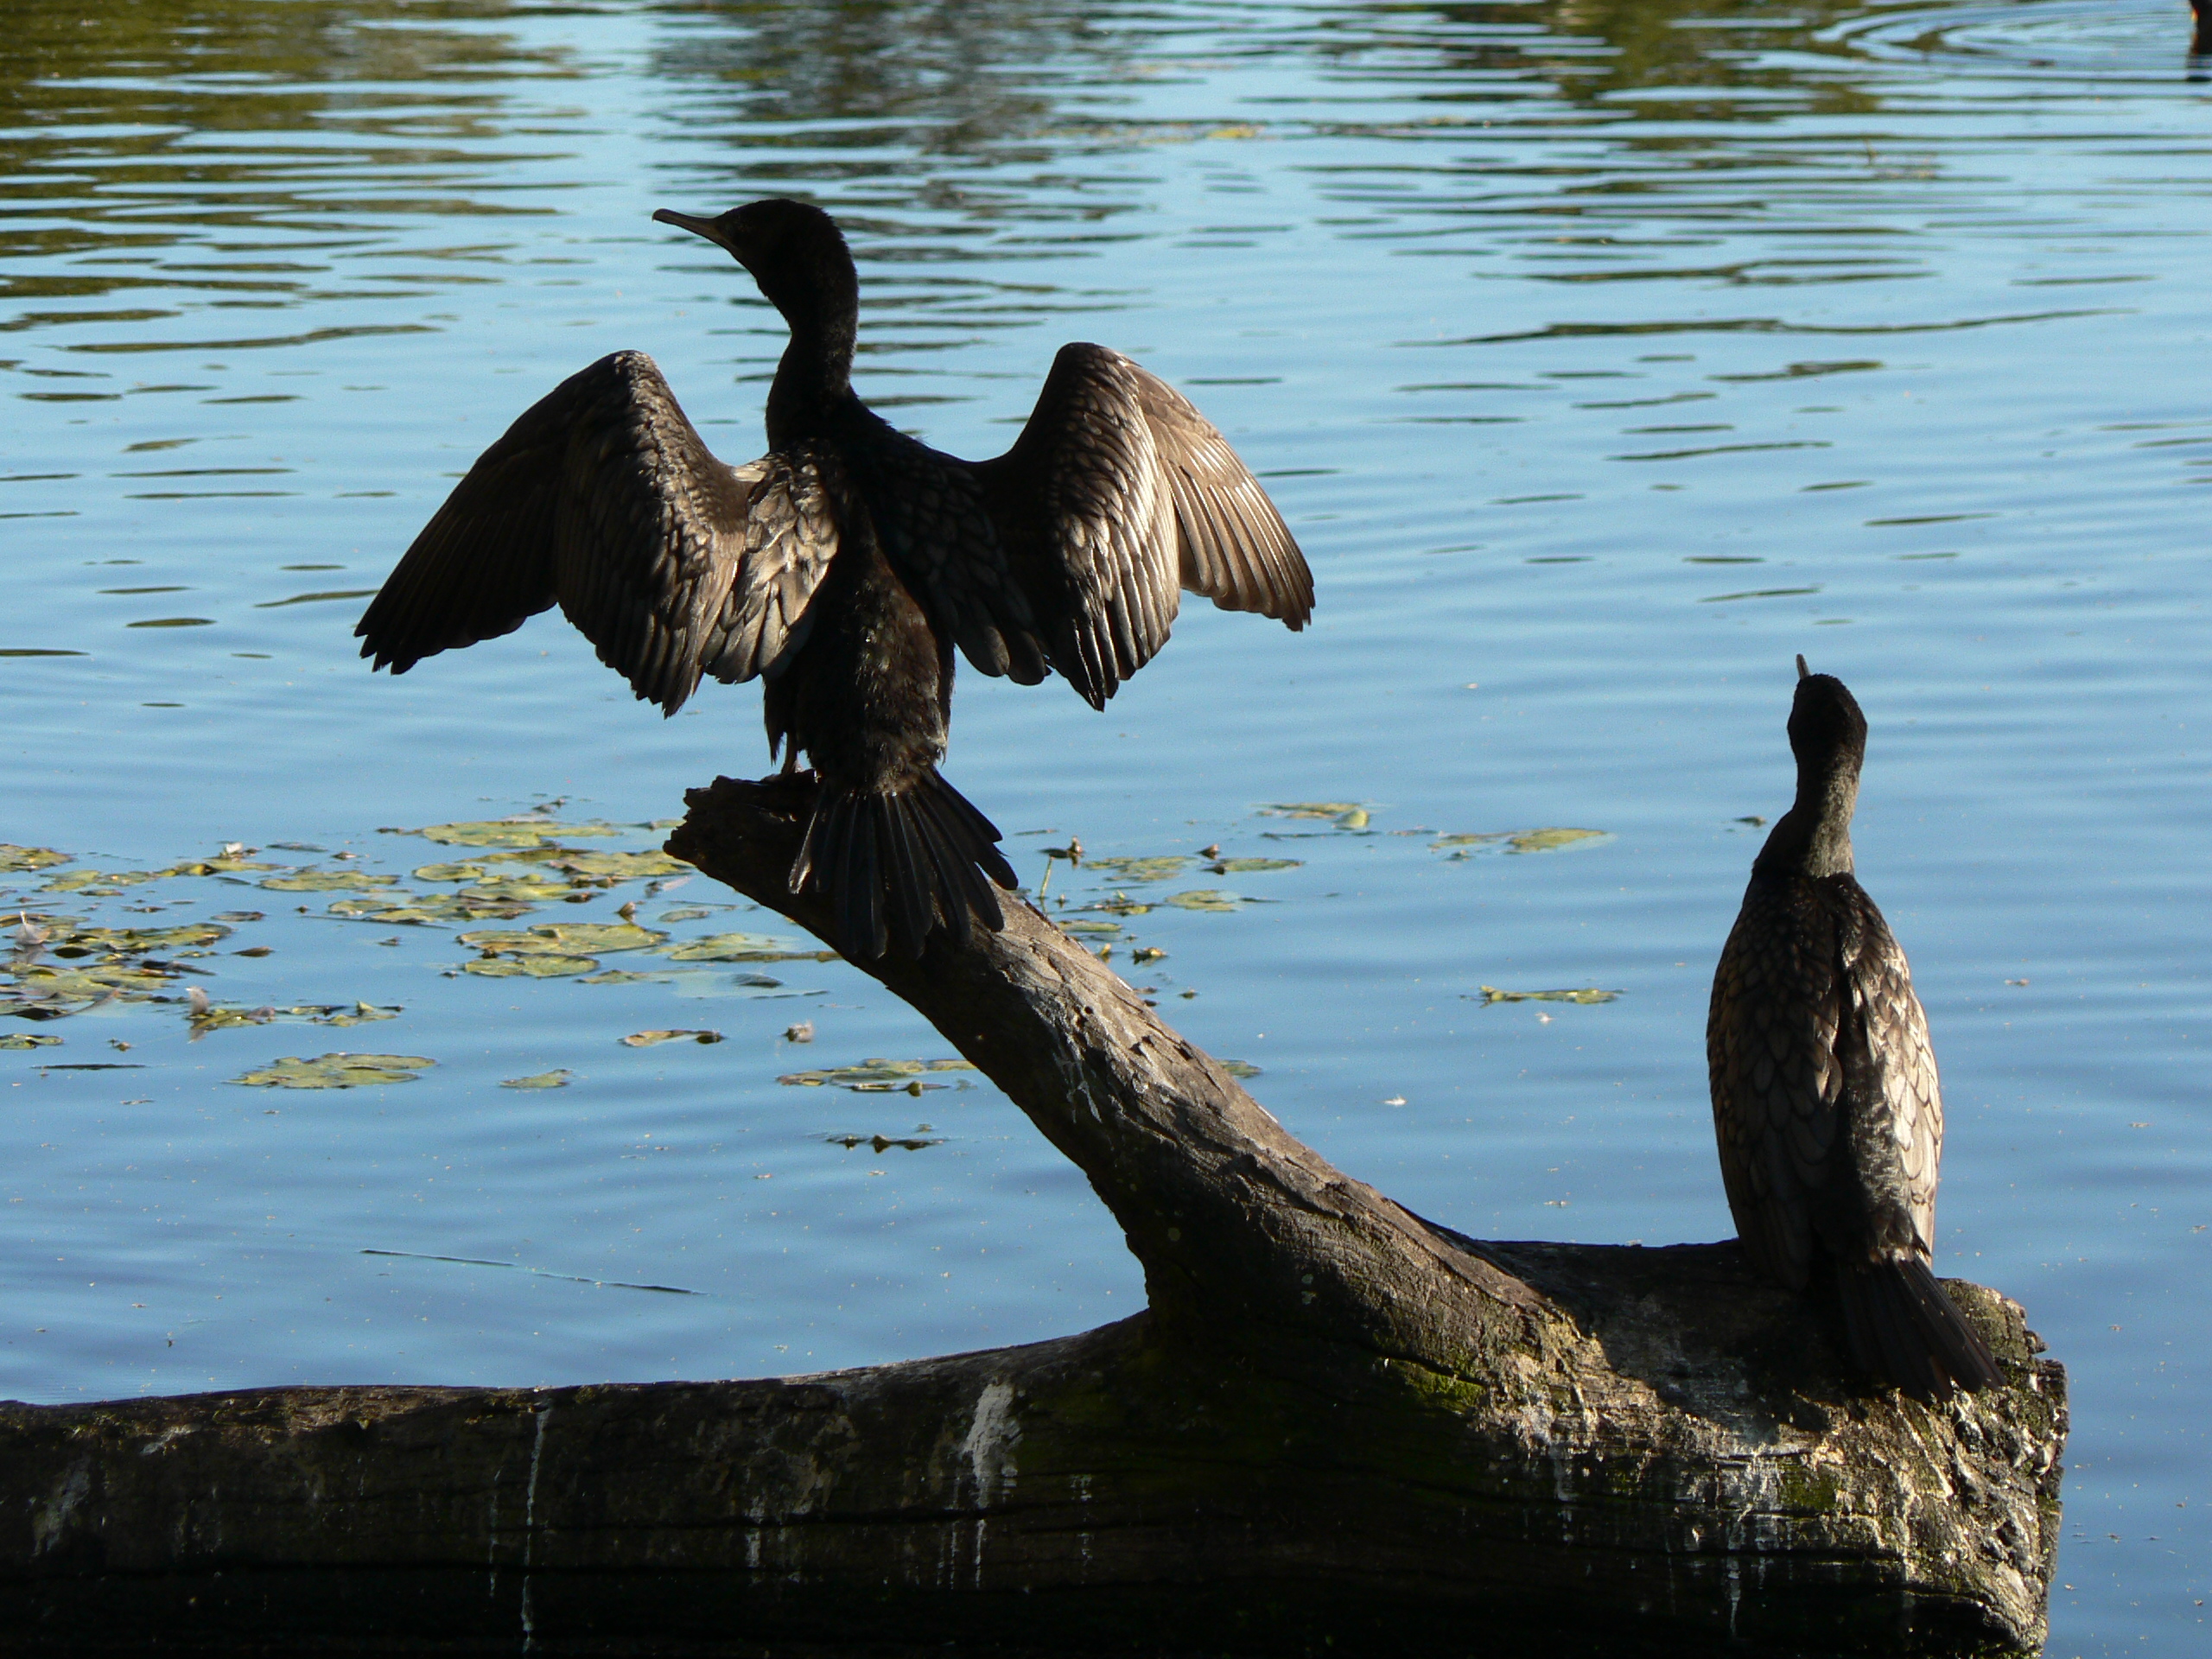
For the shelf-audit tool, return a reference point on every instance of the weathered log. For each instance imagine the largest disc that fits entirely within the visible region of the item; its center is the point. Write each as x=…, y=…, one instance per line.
x=1337, y=1428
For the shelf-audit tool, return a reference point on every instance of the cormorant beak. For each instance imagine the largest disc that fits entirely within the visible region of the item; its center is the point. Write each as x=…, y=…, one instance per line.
x=706, y=227
x=1803, y=672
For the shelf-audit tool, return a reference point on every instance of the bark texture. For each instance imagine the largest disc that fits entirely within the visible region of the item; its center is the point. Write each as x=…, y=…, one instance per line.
x=1338, y=1427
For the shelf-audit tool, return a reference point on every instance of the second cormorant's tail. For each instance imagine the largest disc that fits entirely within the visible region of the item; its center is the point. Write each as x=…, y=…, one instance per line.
x=897, y=865
x=1902, y=1327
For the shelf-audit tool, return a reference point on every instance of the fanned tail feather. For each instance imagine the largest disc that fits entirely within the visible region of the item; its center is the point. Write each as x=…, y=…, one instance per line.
x=895, y=866
x=1901, y=1327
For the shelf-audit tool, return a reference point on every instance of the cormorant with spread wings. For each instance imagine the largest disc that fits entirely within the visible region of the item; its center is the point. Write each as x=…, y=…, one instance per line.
x=844, y=566
x=1825, y=1098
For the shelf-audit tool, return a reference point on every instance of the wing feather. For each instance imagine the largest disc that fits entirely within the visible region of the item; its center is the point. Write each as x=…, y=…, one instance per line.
x=603, y=498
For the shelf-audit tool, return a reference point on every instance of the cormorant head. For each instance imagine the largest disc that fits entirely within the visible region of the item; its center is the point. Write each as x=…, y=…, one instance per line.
x=1825, y=724
x=795, y=252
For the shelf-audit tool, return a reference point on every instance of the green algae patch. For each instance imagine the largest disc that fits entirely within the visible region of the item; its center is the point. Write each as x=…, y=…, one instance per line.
x=336, y=1071
x=877, y=1076
x=530, y=967
x=558, y=1079
x=1586, y=993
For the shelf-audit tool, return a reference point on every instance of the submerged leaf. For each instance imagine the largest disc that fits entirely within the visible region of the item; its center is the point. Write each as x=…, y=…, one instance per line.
x=1588, y=993
x=647, y=1039
x=336, y=1071
x=559, y=1079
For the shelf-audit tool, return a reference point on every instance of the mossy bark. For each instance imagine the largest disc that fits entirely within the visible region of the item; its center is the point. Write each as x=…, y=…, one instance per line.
x=1337, y=1428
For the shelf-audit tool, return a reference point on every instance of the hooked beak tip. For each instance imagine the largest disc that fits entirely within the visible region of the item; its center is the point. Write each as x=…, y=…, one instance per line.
x=686, y=222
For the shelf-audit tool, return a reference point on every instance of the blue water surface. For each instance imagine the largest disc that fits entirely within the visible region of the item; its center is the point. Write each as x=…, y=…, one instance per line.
x=1603, y=356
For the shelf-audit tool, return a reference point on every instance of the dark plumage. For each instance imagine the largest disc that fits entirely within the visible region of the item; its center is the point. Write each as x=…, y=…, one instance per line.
x=1825, y=1098
x=845, y=565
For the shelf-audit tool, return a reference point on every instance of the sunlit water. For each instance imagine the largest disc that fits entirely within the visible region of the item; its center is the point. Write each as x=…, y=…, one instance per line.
x=1602, y=356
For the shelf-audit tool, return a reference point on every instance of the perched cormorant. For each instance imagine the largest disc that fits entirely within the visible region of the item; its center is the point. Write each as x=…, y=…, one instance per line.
x=843, y=566
x=1824, y=1091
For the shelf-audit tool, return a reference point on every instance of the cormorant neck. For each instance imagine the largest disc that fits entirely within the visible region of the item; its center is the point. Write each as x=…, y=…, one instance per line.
x=1814, y=836
x=815, y=375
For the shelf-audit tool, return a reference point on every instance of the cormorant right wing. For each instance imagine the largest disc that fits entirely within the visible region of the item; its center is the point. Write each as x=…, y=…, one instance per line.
x=1118, y=494
x=602, y=497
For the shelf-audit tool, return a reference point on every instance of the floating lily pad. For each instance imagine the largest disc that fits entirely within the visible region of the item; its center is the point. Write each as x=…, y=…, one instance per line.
x=523, y=888
x=1091, y=927
x=548, y=967
x=877, y=1076
x=690, y=912
x=134, y=941
x=1207, y=899
x=1347, y=815
x=623, y=976
x=13, y=857
x=222, y=1016
x=648, y=1038
x=744, y=947
x=336, y=1071
x=100, y=881
x=325, y=881
x=505, y=832
x=1139, y=869
x=450, y=873
x=1524, y=840
x=1118, y=904
x=559, y=1079
x=1239, y=1069
x=1587, y=994
x=93, y=983
x=621, y=867
x=25, y=1039
x=1252, y=865
x=565, y=938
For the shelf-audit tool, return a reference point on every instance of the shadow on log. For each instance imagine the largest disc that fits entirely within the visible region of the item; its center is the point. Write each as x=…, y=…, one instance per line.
x=1338, y=1427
